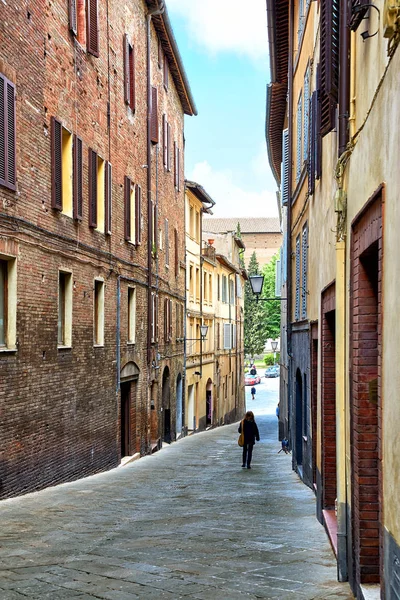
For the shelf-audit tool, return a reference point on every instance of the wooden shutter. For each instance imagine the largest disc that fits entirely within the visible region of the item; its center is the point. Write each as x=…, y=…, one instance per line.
x=155, y=227
x=72, y=16
x=166, y=330
x=127, y=82
x=178, y=156
x=107, y=197
x=156, y=316
x=92, y=22
x=160, y=54
x=312, y=144
x=168, y=147
x=306, y=110
x=329, y=56
x=56, y=164
x=299, y=165
x=165, y=141
x=170, y=320
x=285, y=171
x=165, y=72
x=318, y=138
x=227, y=336
x=92, y=188
x=127, y=208
x=154, y=116
x=78, y=178
x=138, y=214
x=175, y=164
x=176, y=254
x=132, y=89
x=7, y=134
x=304, y=263
x=297, y=275
x=166, y=242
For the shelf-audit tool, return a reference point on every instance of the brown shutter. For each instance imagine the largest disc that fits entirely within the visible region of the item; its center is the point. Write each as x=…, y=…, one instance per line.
x=179, y=170
x=166, y=319
x=165, y=141
x=7, y=134
x=56, y=163
x=138, y=214
x=329, y=57
x=155, y=227
x=107, y=197
x=168, y=147
x=312, y=140
x=127, y=208
x=318, y=139
x=175, y=165
x=170, y=320
x=127, y=85
x=176, y=254
x=92, y=188
x=154, y=116
x=78, y=178
x=132, y=88
x=156, y=317
x=72, y=16
x=92, y=21
x=165, y=72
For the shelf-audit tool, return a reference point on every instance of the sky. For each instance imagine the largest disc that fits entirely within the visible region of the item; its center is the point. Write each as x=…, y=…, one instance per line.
x=224, y=49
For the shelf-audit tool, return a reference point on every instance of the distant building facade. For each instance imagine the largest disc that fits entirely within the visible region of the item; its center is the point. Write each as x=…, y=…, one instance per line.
x=260, y=235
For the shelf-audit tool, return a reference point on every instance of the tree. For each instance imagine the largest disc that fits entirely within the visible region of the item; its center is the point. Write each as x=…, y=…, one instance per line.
x=241, y=252
x=271, y=310
x=254, y=336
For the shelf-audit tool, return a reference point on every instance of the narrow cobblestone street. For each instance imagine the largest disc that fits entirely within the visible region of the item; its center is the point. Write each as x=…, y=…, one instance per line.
x=187, y=522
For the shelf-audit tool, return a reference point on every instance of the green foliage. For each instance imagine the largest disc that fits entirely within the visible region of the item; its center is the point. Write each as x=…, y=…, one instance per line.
x=261, y=319
x=269, y=359
x=241, y=252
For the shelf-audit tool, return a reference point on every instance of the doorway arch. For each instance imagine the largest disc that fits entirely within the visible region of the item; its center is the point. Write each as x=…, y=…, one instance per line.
x=166, y=407
x=128, y=422
x=209, y=403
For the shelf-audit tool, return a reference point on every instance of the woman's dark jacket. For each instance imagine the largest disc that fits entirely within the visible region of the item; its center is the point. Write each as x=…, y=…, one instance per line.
x=250, y=432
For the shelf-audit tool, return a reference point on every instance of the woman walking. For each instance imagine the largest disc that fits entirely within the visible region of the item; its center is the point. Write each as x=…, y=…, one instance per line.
x=251, y=434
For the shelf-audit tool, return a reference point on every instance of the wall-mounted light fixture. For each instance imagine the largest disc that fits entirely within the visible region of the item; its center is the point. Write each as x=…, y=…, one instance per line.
x=256, y=283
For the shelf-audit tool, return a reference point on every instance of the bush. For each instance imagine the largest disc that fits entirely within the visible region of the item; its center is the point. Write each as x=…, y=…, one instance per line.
x=269, y=359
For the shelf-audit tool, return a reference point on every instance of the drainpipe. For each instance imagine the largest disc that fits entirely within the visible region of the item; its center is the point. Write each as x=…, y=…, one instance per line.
x=150, y=14
x=201, y=293
x=289, y=222
x=344, y=78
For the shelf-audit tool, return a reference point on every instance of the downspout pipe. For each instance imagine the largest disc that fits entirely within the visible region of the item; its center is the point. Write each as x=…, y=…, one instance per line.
x=289, y=222
x=158, y=11
x=344, y=78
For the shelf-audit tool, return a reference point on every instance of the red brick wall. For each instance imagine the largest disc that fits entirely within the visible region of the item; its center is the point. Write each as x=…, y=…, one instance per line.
x=366, y=347
x=328, y=398
x=60, y=410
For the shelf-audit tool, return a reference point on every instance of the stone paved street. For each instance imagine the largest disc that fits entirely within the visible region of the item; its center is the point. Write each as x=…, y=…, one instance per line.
x=187, y=522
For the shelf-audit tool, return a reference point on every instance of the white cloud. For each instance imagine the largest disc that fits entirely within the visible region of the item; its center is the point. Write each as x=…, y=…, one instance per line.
x=231, y=200
x=220, y=26
x=260, y=163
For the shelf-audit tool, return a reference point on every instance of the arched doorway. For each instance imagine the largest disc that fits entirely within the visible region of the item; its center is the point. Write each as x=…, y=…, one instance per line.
x=209, y=403
x=166, y=408
x=179, y=406
x=128, y=425
x=299, y=419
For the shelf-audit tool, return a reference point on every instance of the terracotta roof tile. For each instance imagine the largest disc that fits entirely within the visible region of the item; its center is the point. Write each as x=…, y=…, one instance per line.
x=247, y=224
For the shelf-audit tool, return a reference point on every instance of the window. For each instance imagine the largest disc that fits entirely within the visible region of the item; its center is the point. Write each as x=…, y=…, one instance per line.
x=98, y=320
x=7, y=134
x=64, y=309
x=131, y=315
x=160, y=54
x=165, y=72
x=166, y=144
x=285, y=168
x=92, y=28
x=177, y=174
x=176, y=253
x=329, y=57
x=154, y=116
x=313, y=143
x=218, y=336
x=166, y=242
x=231, y=292
x=239, y=287
x=191, y=282
x=306, y=113
x=154, y=318
x=301, y=21
x=304, y=264
x=197, y=284
x=129, y=73
x=167, y=320
x=197, y=227
x=100, y=183
x=299, y=140
x=133, y=212
x=205, y=287
x=210, y=290
x=224, y=289
x=227, y=336
x=297, y=275
x=218, y=287
x=8, y=303
x=179, y=321
x=66, y=151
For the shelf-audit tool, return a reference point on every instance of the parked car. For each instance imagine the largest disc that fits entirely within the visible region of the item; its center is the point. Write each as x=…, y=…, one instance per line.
x=272, y=371
x=251, y=379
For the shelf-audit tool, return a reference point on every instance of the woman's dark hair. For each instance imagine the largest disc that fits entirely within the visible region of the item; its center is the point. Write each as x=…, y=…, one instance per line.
x=249, y=415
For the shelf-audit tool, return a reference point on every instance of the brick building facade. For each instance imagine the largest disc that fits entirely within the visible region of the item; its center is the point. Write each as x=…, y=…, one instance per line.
x=92, y=267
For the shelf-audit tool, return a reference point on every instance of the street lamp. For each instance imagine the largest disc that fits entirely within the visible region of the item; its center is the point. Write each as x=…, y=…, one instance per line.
x=203, y=331
x=202, y=338
x=256, y=283
x=274, y=346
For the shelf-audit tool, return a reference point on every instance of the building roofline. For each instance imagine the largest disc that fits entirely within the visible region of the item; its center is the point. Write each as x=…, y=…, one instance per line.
x=200, y=193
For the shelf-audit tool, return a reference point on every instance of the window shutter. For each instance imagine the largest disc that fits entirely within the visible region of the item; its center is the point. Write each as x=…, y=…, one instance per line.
x=170, y=320
x=92, y=188
x=318, y=138
x=160, y=53
x=227, y=336
x=156, y=316
x=72, y=16
x=285, y=172
x=132, y=88
x=3, y=137
x=175, y=164
x=138, y=214
x=179, y=170
x=8, y=158
x=127, y=84
x=154, y=116
x=155, y=227
x=108, y=197
x=306, y=119
x=176, y=254
x=299, y=140
x=329, y=56
x=165, y=72
x=166, y=242
x=166, y=320
x=92, y=22
x=127, y=208
x=168, y=147
x=312, y=143
x=56, y=159
x=165, y=141
x=78, y=178
x=304, y=273
x=297, y=300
